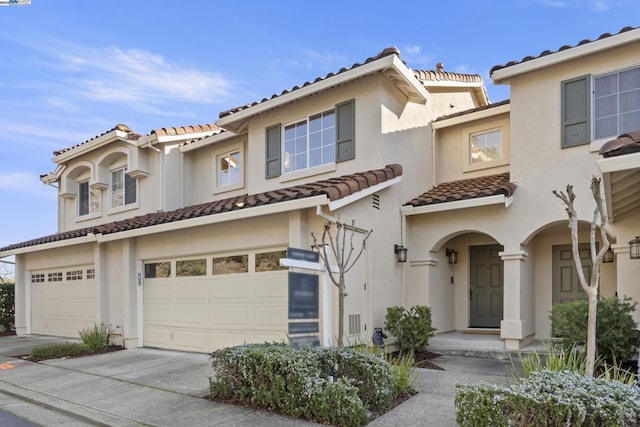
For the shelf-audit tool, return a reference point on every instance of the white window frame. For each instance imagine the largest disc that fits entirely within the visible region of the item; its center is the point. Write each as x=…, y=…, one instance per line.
x=124, y=206
x=467, y=133
x=218, y=156
x=617, y=115
x=90, y=192
x=305, y=171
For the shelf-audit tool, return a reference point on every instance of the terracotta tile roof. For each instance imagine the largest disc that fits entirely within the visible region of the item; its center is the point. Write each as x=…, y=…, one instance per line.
x=333, y=188
x=123, y=128
x=562, y=48
x=183, y=130
x=474, y=110
x=484, y=186
x=386, y=52
x=624, y=144
x=446, y=76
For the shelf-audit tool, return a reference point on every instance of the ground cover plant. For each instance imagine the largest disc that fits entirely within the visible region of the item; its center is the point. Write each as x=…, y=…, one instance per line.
x=339, y=386
x=95, y=340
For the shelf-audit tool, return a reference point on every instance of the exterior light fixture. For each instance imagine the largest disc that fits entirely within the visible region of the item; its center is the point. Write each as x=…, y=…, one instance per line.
x=452, y=256
x=608, y=256
x=634, y=248
x=401, y=252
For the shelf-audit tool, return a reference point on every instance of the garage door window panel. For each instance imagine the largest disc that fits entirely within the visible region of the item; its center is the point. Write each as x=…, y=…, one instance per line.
x=74, y=275
x=37, y=278
x=157, y=270
x=231, y=264
x=54, y=277
x=191, y=267
x=270, y=261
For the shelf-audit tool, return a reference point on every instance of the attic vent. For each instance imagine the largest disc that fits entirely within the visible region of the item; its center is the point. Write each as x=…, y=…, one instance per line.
x=375, y=201
x=354, y=324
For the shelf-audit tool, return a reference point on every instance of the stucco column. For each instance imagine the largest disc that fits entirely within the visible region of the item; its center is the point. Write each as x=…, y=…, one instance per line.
x=101, y=288
x=517, y=325
x=627, y=272
x=22, y=297
x=131, y=305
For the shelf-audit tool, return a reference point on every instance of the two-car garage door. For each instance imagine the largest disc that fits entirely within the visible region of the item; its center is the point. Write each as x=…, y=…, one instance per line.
x=209, y=302
x=63, y=300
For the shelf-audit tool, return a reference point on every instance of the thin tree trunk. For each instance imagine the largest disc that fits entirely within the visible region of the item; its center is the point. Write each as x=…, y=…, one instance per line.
x=341, y=295
x=592, y=295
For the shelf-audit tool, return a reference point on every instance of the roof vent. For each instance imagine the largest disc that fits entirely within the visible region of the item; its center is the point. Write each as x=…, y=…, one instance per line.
x=439, y=67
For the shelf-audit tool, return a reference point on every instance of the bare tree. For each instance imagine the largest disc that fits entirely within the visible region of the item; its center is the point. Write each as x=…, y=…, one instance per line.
x=591, y=288
x=345, y=254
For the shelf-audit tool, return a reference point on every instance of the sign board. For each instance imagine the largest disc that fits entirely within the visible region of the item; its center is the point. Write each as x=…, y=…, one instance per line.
x=304, y=328
x=303, y=255
x=305, y=341
x=304, y=296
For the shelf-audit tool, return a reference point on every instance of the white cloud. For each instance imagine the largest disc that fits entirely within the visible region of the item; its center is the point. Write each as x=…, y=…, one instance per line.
x=25, y=183
x=600, y=5
x=416, y=58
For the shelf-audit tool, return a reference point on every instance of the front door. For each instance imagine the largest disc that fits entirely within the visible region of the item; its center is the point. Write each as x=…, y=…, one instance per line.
x=486, y=286
x=565, y=283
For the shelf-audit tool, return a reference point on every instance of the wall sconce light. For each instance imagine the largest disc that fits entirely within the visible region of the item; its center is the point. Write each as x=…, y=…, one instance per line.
x=634, y=248
x=452, y=256
x=608, y=256
x=401, y=252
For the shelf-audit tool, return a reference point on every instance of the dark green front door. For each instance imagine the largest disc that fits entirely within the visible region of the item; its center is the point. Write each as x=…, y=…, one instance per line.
x=486, y=286
x=565, y=283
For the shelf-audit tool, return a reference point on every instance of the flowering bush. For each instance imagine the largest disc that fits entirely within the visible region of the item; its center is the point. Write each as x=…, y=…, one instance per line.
x=7, y=305
x=549, y=398
x=334, y=385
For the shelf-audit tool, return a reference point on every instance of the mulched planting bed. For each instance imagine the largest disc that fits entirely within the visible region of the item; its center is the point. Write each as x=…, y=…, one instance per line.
x=7, y=333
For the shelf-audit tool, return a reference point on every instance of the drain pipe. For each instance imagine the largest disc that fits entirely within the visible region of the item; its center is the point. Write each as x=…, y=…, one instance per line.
x=403, y=237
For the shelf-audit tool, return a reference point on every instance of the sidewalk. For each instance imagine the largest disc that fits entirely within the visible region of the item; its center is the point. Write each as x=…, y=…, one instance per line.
x=166, y=388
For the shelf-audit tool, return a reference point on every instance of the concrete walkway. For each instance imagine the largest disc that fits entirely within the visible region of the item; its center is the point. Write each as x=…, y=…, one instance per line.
x=166, y=388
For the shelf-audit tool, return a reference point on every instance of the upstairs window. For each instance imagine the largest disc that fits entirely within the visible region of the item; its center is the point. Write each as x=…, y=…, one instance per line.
x=123, y=188
x=485, y=146
x=616, y=103
x=88, y=199
x=229, y=169
x=310, y=142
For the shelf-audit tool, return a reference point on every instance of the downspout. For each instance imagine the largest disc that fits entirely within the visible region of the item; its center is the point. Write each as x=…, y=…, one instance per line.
x=403, y=238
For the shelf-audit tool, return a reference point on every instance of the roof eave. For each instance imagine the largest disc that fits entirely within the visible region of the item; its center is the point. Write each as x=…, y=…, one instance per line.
x=102, y=140
x=502, y=75
x=472, y=116
x=459, y=204
x=208, y=140
x=393, y=67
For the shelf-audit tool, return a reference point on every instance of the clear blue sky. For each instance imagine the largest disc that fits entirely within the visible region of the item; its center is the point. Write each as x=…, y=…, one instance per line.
x=72, y=69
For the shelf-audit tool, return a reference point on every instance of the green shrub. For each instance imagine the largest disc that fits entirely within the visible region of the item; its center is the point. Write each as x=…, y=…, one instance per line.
x=555, y=358
x=412, y=328
x=549, y=398
x=56, y=351
x=616, y=333
x=403, y=367
x=95, y=337
x=333, y=385
x=7, y=305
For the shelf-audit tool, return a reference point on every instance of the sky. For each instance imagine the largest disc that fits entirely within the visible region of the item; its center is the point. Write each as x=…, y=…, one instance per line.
x=73, y=69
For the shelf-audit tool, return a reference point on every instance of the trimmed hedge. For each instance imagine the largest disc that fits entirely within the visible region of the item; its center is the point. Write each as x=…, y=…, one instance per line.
x=549, y=398
x=339, y=386
x=7, y=305
x=411, y=327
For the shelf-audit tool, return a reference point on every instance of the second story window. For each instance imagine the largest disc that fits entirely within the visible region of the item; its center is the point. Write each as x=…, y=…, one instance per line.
x=88, y=199
x=123, y=188
x=310, y=142
x=485, y=146
x=229, y=165
x=616, y=101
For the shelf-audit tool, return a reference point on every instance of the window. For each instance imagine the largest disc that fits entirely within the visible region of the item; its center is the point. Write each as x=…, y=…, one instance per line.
x=157, y=270
x=191, y=267
x=37, y=278
x=123, y=188
x=485, y=146
x=88, y=199
x=229, y=169
x=91, y=273
x=310, y=142
x=74, y=275
x=270, y=261
x=616, y=103
x=231, y=264
x=54, y=277
x=321, y=139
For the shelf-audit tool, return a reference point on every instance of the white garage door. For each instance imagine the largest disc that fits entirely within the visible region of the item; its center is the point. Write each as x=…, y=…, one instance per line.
x=210, y=302
x=62, y=300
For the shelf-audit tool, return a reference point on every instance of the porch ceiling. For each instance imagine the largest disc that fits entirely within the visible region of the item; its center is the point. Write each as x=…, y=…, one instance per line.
x=624, y=193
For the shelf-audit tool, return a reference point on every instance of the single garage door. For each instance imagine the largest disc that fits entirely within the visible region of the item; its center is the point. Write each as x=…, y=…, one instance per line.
x=206, y=303
x=63, y=300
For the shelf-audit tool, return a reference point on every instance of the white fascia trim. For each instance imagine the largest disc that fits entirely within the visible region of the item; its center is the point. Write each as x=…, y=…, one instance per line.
x=476, y=115
x=499, y=76
x=212, y=139
x=388, y=62
x=460, y=204
x=309, y=202
x=52, y=177
x=363, y=193
x=89, y=238
x=449, y=83
x=619, y=163
x=195, y=135
x=114, y=135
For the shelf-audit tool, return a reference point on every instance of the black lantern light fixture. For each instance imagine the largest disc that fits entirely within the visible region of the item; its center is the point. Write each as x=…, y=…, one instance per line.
x=452, y=256
x=401, y=252
x=608, y=256
x=634, y=248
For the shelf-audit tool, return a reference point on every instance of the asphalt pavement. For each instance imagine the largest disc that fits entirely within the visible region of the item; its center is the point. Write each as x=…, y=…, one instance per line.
x=155, y=387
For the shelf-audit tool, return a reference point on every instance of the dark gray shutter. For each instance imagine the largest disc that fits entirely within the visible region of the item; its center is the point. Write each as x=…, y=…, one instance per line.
x=345, y=131
x=273, y=151
x=576, y=111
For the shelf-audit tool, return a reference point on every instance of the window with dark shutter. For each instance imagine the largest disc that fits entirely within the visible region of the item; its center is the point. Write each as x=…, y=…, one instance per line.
x=345, y=131
x=576, y=111
x=273, y=139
